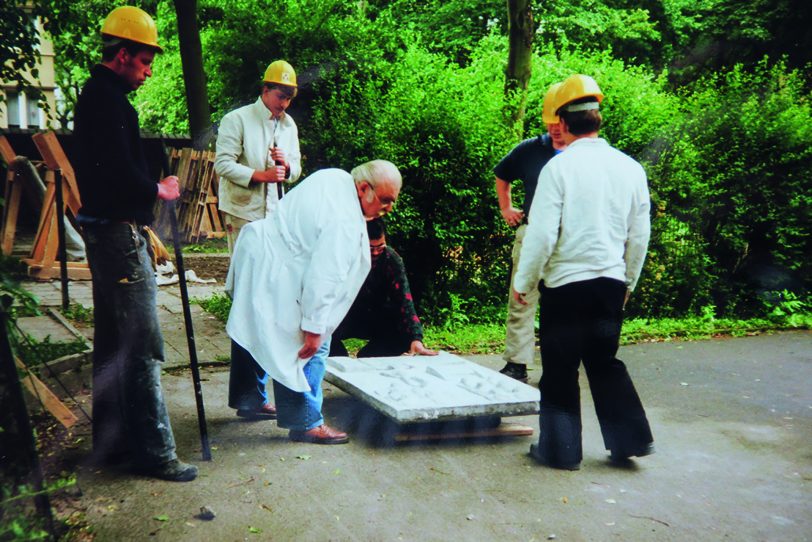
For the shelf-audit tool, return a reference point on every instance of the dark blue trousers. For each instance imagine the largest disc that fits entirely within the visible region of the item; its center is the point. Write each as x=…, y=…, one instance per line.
x=581, y=322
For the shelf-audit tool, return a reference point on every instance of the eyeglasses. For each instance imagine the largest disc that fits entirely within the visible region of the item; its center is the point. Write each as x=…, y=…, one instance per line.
x=386, y=201
x=377, y=249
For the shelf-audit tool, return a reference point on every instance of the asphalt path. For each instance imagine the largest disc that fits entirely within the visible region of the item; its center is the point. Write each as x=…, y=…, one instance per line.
x=732, y=422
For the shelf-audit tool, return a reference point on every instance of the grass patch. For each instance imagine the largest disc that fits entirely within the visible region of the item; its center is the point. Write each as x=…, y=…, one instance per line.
x=34, y=352
x=465, y=338
x=209, y=246
x=78, y=313
x=217, y=305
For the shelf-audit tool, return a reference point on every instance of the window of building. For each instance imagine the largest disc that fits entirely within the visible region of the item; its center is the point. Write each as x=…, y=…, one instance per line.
x=13, y=107
x=32, y=111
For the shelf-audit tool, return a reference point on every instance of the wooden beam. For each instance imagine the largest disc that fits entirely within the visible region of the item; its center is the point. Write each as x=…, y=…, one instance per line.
x=49, y=400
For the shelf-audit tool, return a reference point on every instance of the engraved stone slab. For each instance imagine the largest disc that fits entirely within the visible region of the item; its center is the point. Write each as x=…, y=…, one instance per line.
x=427, y=388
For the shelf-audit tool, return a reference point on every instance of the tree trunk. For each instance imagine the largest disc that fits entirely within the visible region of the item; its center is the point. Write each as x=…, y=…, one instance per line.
x=517, y=75
x=194, y=78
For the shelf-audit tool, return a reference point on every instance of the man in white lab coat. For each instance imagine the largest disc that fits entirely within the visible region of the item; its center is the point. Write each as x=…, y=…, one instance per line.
x=257, y=151
x=292, y=279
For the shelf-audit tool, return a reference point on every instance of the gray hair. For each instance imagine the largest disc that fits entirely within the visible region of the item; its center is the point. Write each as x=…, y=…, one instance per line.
x=378, y=172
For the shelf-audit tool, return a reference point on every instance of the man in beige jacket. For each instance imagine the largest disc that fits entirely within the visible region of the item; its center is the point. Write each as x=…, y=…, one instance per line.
x=257, y=148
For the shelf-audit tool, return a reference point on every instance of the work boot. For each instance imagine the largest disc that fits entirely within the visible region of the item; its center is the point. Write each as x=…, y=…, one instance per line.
x=320, y=435
x=173, y=471
x=516, y=371
x=621, y=457
x=265, y=412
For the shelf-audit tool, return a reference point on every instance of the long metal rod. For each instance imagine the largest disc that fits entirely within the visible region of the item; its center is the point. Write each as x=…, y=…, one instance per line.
x=280, y=190
x=187, y=318
x=60, y=228
x=12, y=378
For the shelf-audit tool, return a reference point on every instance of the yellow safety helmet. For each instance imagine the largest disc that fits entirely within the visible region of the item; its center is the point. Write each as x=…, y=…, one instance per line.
x=550, y=105
x=281, y=73
x=133, y=24
x=576, y=87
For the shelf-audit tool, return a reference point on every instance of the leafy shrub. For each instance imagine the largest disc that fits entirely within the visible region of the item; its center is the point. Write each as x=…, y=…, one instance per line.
x=738, y=171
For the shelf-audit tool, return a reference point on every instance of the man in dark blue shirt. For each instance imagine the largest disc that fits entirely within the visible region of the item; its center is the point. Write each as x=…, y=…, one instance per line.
x=525, y=162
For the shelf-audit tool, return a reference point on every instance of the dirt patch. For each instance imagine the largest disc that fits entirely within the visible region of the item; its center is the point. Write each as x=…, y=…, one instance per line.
x=208, y=266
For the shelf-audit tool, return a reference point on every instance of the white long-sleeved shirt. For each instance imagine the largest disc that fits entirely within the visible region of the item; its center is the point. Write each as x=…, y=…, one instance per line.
x=243, y=140
x=589, y=219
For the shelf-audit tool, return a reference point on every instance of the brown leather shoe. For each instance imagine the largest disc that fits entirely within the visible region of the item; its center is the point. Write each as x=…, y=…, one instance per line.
x=320, y=435
x=265, y=412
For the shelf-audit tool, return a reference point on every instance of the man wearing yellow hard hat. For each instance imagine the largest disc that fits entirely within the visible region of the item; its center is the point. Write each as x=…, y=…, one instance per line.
x=257, y=151
x=585, y=244
x=524, y=162
x=130, y=420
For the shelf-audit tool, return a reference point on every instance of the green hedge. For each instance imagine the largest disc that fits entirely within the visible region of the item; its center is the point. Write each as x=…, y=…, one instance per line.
x=728, y=158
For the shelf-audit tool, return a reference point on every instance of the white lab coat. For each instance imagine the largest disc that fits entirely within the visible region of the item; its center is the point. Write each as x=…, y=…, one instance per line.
x=298, y=270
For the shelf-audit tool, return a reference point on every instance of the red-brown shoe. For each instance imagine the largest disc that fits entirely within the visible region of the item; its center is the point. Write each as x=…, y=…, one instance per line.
x=265, y=412
x=320, y=435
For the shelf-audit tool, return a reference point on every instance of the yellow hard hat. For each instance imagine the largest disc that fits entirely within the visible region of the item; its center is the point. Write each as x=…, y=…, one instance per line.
x=550, y=105
x=280, y=73
x=576, y=87
x=133, y=24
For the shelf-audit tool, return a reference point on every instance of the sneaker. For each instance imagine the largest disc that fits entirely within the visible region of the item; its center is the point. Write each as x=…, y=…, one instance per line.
x=265, y=412
x=173, y=471
x=516, y=371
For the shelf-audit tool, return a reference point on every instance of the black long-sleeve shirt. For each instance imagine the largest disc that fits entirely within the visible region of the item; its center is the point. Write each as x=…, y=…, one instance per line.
x=385, y=300
x=111, y=168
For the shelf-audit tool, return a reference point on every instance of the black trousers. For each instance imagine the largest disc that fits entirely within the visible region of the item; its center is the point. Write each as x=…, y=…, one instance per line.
x=383, y=333
x=581, y=322
x=247, y=381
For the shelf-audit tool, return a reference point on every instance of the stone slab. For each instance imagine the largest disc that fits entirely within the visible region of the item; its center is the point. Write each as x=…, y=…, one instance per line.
x=411, y=389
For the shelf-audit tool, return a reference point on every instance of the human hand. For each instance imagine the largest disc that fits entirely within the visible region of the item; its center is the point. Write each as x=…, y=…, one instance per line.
x=626, y=298
x=273, y=174
x=168, y=188
x=518, y=296
x=418, y=349
x=513, y=216
x=278, y=156
x=312, y=341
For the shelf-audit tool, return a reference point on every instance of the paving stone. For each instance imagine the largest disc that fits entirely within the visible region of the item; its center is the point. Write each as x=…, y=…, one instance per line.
x=40, y=327
x=425, y=388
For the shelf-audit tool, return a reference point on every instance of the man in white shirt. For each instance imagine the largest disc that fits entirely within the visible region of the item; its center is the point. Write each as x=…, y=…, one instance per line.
x=586, y=241
x=293, y=278
x=257, y=150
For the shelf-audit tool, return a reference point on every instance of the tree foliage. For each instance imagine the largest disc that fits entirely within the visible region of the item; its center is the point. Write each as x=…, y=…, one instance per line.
x=722, y=130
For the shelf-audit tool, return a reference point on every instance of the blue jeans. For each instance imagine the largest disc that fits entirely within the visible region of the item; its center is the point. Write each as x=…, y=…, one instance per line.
x=129, y=413
x=301, y=411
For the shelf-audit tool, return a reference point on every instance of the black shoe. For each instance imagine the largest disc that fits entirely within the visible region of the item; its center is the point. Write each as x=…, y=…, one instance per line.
x=535, y=454
x=173, y=471
x=516, y=371
x=623, y=456
x=265, y=412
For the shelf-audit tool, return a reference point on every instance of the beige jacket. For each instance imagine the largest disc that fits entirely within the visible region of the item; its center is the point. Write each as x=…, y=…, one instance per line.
x=243, y=140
